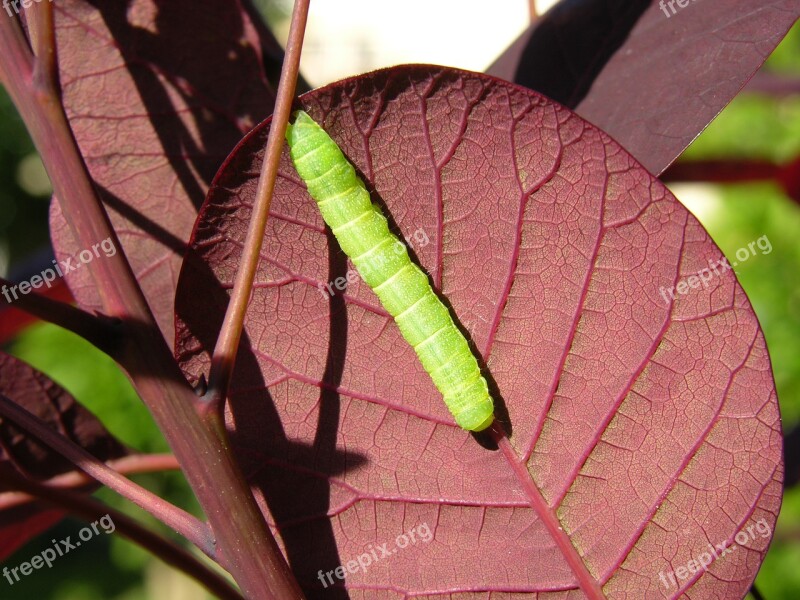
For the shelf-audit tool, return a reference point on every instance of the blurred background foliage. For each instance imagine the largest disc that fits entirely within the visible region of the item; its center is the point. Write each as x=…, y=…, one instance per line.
x=754, y=126
x=763, y=127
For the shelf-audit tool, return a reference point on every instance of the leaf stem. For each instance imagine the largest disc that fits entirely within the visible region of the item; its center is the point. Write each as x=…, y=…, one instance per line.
x=224, y=356
x=79, y=481
x=43, y=35
x=534, y=14
x=91, y=509
x=178, y=519
x=590, y=587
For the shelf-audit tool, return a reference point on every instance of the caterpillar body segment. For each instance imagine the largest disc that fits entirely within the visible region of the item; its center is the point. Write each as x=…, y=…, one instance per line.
x=383, y=262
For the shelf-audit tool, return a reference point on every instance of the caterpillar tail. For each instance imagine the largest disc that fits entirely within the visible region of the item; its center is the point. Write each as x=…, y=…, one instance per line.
x=383, y=262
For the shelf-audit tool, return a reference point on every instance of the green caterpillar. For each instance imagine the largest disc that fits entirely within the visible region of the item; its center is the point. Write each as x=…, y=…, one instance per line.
x=383, y=262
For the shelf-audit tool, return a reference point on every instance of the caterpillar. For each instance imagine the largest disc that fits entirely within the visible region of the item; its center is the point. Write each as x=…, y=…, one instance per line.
x=382, y=261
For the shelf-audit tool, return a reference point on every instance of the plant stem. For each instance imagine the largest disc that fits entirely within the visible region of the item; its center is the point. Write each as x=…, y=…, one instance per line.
x=43, y=36
x=79, y=481
x=534, y=14
x=773, y=84
x=242, y=536
x=722, y=171
x=224, y=356
x=187, y=525
x=171, y=553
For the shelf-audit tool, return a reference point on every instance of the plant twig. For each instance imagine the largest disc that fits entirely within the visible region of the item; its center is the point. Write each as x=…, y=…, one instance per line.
x=722, y=171
x=79, y=481
x=224, y=357
x=242, y=536
x=91, y=509
x=43, y=35
x=100, y=331
x=534, y=14
x=773, y=84
x=178, y=519
x=37, y=99
x=730, y=171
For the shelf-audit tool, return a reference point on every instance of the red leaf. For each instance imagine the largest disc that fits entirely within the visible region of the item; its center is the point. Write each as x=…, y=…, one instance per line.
x=21, y=524
x=28, y=457
x=643, y=430
x=652, y=77
x=157, y=94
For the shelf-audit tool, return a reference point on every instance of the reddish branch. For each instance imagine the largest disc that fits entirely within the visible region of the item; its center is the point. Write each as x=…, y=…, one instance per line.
x=241, y=534
x=167, y=550
x=179, y=520
x=224, y=357
x=773, y=84
x=79, y=481
x=534, y=14
x=738, y=171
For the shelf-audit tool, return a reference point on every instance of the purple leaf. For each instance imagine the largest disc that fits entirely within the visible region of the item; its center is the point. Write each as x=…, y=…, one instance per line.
x=652, y=77
x=30, y=458
x=644, y=428
x=157, y=94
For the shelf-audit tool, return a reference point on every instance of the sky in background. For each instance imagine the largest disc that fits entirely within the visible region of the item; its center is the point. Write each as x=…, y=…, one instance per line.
x=347, y=37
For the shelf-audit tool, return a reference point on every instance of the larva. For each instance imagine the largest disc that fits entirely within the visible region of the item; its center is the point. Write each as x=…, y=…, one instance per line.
x=402, y=287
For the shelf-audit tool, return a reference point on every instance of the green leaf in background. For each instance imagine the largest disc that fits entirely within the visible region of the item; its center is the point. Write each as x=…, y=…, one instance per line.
x=94, y=379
